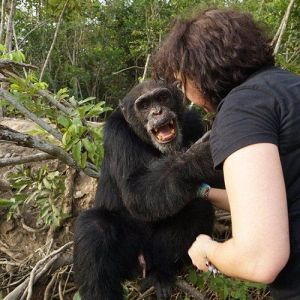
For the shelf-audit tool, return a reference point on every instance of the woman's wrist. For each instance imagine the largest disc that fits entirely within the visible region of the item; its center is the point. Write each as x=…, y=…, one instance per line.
x=203, y=191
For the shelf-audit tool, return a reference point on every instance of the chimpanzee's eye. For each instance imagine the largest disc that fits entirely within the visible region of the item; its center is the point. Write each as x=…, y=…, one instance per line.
x=142, y=105
x=163, y=97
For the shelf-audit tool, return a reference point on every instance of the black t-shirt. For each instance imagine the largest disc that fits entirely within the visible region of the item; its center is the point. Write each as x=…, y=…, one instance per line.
x=266, y=109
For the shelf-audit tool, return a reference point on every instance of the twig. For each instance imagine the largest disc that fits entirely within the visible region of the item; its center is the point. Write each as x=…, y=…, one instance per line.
x=30, y=229
x=132, y=67
x=72, y=289
x=60, y=292
x=40, y=274
x=16, y=293
x=146, y=67
x=147, y=293
x=8, y=134
x=12, y=100
x=282, y=27
x=7, y=252
x=188, y=289
x=30, y=31
x=32, y=274
x=54, y=40
x=49, y=286
x=17, y=160
x=9, y=263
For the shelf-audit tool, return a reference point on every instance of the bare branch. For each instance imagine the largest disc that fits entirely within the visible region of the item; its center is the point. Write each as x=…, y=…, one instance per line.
x=39, y=272
x=282, y=27
x=8, y=134
x=32, y=274
x=33, y=29
x=54, y=40
x=132, y=67
x=8, y=64
x=12, y=100
x=188, y=289
x=17, y=160
x=146, y=67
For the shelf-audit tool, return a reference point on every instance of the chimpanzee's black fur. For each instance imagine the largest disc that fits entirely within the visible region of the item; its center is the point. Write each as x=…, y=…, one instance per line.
x=146, y=203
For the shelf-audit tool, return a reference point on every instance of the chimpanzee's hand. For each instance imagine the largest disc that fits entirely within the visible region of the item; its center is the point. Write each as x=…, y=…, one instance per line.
x=199, y=156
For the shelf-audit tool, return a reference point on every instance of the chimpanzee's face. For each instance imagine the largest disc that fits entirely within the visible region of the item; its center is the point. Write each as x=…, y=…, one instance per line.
x=158, y=111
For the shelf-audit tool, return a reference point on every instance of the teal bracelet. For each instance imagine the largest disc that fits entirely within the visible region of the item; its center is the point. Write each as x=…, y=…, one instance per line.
x=203, y=191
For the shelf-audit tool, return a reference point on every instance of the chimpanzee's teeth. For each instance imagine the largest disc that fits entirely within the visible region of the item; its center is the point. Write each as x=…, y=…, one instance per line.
x=171, y=122
x=173, y=131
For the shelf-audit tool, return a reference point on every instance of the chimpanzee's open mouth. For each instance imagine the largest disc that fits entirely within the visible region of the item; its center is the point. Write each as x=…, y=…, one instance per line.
x=165, y=133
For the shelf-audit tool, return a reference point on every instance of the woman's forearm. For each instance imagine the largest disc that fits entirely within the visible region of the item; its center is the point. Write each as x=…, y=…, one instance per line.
x=218, y=197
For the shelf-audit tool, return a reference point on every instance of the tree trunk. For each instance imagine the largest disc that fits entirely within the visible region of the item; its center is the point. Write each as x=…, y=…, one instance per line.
x=9, y=28
x=54, y=40
x=2, y=22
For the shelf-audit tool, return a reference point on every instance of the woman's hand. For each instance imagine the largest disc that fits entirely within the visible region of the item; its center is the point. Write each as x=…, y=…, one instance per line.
x=198, y=251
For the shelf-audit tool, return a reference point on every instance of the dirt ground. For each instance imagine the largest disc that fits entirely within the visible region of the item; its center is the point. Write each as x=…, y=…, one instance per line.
x=23, y=241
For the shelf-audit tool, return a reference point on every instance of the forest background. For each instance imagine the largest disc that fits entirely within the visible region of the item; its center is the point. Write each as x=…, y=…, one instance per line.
x=67, y=63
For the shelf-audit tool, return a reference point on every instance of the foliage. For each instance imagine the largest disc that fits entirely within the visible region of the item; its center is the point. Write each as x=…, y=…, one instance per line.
x=84, y=141
x=224, y=287
x=43, y=188
x=98, y=39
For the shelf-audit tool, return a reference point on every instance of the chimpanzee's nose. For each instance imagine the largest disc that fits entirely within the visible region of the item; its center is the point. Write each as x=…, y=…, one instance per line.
x=156, y=110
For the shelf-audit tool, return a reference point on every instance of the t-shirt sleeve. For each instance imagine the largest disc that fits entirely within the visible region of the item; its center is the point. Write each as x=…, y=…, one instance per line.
x=246, y=117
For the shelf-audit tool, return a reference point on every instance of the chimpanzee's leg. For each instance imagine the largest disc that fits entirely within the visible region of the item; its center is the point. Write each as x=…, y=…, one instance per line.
x=106, y=252
x=167, y=250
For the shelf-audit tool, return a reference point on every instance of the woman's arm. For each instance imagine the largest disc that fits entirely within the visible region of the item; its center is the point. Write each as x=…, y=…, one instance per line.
x=218, y=197
x=259, y=247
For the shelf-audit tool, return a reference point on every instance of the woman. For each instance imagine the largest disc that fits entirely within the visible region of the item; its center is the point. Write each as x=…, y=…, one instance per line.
x=223, y=62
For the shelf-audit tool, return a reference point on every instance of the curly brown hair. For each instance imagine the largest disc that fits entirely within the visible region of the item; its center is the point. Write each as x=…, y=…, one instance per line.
x=217, y=49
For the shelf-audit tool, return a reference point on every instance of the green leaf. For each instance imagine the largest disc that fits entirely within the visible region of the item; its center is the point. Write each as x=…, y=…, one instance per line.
x=83, y=160
x=77, y=296
x=73, y=102
x=98, y=109
x=47, y=184
x=66, y=137
x=65, y=122
x=89, y=146
x=86, y=100
x=192, y=277
x=2, y=48
x=76, y=151
x=6, y=202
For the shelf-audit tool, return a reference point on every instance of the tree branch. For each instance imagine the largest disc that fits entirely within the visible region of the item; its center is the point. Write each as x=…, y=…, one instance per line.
x=54, y=102
x=279, y=34
x=53, y=41
x=24, y=159
x=188, y=289
x=146, y=67
x=12, y=100
x=8, y=64
x=8, y=134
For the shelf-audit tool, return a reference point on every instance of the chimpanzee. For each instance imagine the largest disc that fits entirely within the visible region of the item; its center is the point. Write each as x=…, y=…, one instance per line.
x=147, y=213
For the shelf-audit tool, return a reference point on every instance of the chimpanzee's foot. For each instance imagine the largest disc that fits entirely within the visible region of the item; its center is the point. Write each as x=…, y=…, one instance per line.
x=163, y=288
